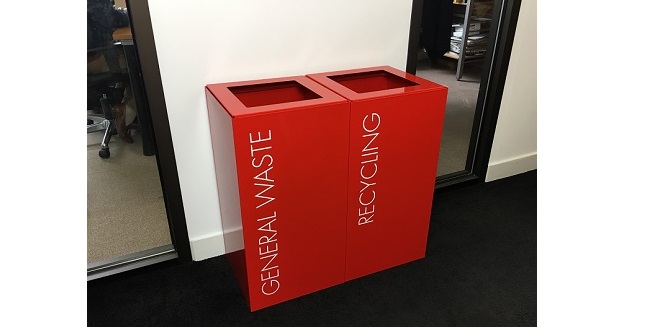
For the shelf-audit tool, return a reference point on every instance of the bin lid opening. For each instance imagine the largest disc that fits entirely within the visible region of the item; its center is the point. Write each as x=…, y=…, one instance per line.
x=272, y=93
x=377, y=80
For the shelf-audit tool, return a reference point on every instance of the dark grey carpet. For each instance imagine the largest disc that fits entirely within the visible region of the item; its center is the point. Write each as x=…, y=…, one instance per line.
x=480, y=270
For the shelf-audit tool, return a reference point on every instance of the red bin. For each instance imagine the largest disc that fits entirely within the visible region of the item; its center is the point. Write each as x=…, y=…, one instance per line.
x=280, y=148
x=396, y=121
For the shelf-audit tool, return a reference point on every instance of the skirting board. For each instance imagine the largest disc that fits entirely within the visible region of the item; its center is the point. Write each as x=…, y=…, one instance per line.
x=214, y=245
x=509, y=167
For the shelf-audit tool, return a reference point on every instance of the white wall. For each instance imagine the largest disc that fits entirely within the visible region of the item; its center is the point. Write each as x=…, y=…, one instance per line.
x=514, y=148
x=210, y=41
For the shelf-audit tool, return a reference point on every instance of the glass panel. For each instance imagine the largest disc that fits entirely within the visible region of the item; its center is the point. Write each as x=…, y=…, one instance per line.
x=444, y=58
x=125, y=207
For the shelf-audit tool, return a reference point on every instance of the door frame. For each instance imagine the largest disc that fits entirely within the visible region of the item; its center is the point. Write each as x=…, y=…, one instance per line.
x=491, y=88
x=142, y=31
x=157, y=119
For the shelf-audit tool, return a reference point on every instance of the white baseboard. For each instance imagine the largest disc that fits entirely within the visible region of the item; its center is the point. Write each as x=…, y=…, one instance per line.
x=510, y=167
x=207, y=246
x=216, y=244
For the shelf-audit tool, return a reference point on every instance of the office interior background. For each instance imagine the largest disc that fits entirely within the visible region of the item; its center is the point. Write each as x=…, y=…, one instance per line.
x=126, y=209
x=382, y=38
x=70, y=234
x=374, y=34
x=513, y=106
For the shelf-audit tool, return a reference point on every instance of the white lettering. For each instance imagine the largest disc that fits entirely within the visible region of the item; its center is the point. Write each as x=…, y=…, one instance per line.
x=372, y=116
x=369, y=167
x=268, y=247
x=274, y=286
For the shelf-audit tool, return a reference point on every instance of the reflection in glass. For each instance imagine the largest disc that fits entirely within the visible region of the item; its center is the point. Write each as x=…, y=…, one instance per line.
x=445, y=59
x=125, y=206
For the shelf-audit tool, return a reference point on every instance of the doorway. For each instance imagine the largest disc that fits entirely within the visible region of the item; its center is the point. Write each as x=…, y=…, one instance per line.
x=134, y=209
x=464, y=45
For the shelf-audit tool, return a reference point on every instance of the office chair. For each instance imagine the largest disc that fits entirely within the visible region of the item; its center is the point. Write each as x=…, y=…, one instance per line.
x=103, y=90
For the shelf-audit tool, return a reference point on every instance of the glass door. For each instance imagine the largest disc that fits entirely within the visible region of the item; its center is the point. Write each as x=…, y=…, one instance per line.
x=464, y=45
x=127, y=222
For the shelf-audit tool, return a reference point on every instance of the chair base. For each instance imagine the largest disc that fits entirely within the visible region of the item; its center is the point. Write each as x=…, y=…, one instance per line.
x=107, y=126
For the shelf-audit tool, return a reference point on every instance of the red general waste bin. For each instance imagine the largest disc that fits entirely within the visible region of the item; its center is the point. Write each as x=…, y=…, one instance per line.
x=396, y=121
x=280, y=148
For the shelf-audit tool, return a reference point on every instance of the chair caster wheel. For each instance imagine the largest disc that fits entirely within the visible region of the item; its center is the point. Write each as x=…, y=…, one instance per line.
x=90, y=121
x=104, y=153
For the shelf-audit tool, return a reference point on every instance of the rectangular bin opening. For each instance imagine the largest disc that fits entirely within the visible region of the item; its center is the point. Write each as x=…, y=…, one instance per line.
x=272, y=93
x=371, y=81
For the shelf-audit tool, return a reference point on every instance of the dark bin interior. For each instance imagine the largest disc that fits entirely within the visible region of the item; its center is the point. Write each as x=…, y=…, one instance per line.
x=371, y=81
x=272, y=93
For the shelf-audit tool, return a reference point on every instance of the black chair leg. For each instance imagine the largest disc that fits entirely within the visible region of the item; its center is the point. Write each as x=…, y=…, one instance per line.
x=109, y=131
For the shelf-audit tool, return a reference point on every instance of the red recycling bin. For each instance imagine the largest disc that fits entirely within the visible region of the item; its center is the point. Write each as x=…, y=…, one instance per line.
x=280, y=148
x=396, y=121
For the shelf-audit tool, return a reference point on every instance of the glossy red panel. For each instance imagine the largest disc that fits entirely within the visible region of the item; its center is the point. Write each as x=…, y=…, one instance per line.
x=371, y=81
x=290, y=170
x=382, y=79
x=395, y=134
x=272, y=93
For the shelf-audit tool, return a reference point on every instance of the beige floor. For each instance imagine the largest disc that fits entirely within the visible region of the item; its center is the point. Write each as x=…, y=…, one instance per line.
x=460, y=108
x=125, y=206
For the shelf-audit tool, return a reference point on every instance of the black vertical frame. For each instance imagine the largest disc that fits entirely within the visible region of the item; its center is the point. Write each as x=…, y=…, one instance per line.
x=498, y=56
x=142, y=31
x=491, y=90
x=414, y=35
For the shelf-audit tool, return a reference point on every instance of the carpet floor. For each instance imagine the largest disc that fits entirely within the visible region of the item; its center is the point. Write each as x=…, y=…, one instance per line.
x=460, y=108
x=480, y=270
x=125, y=206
